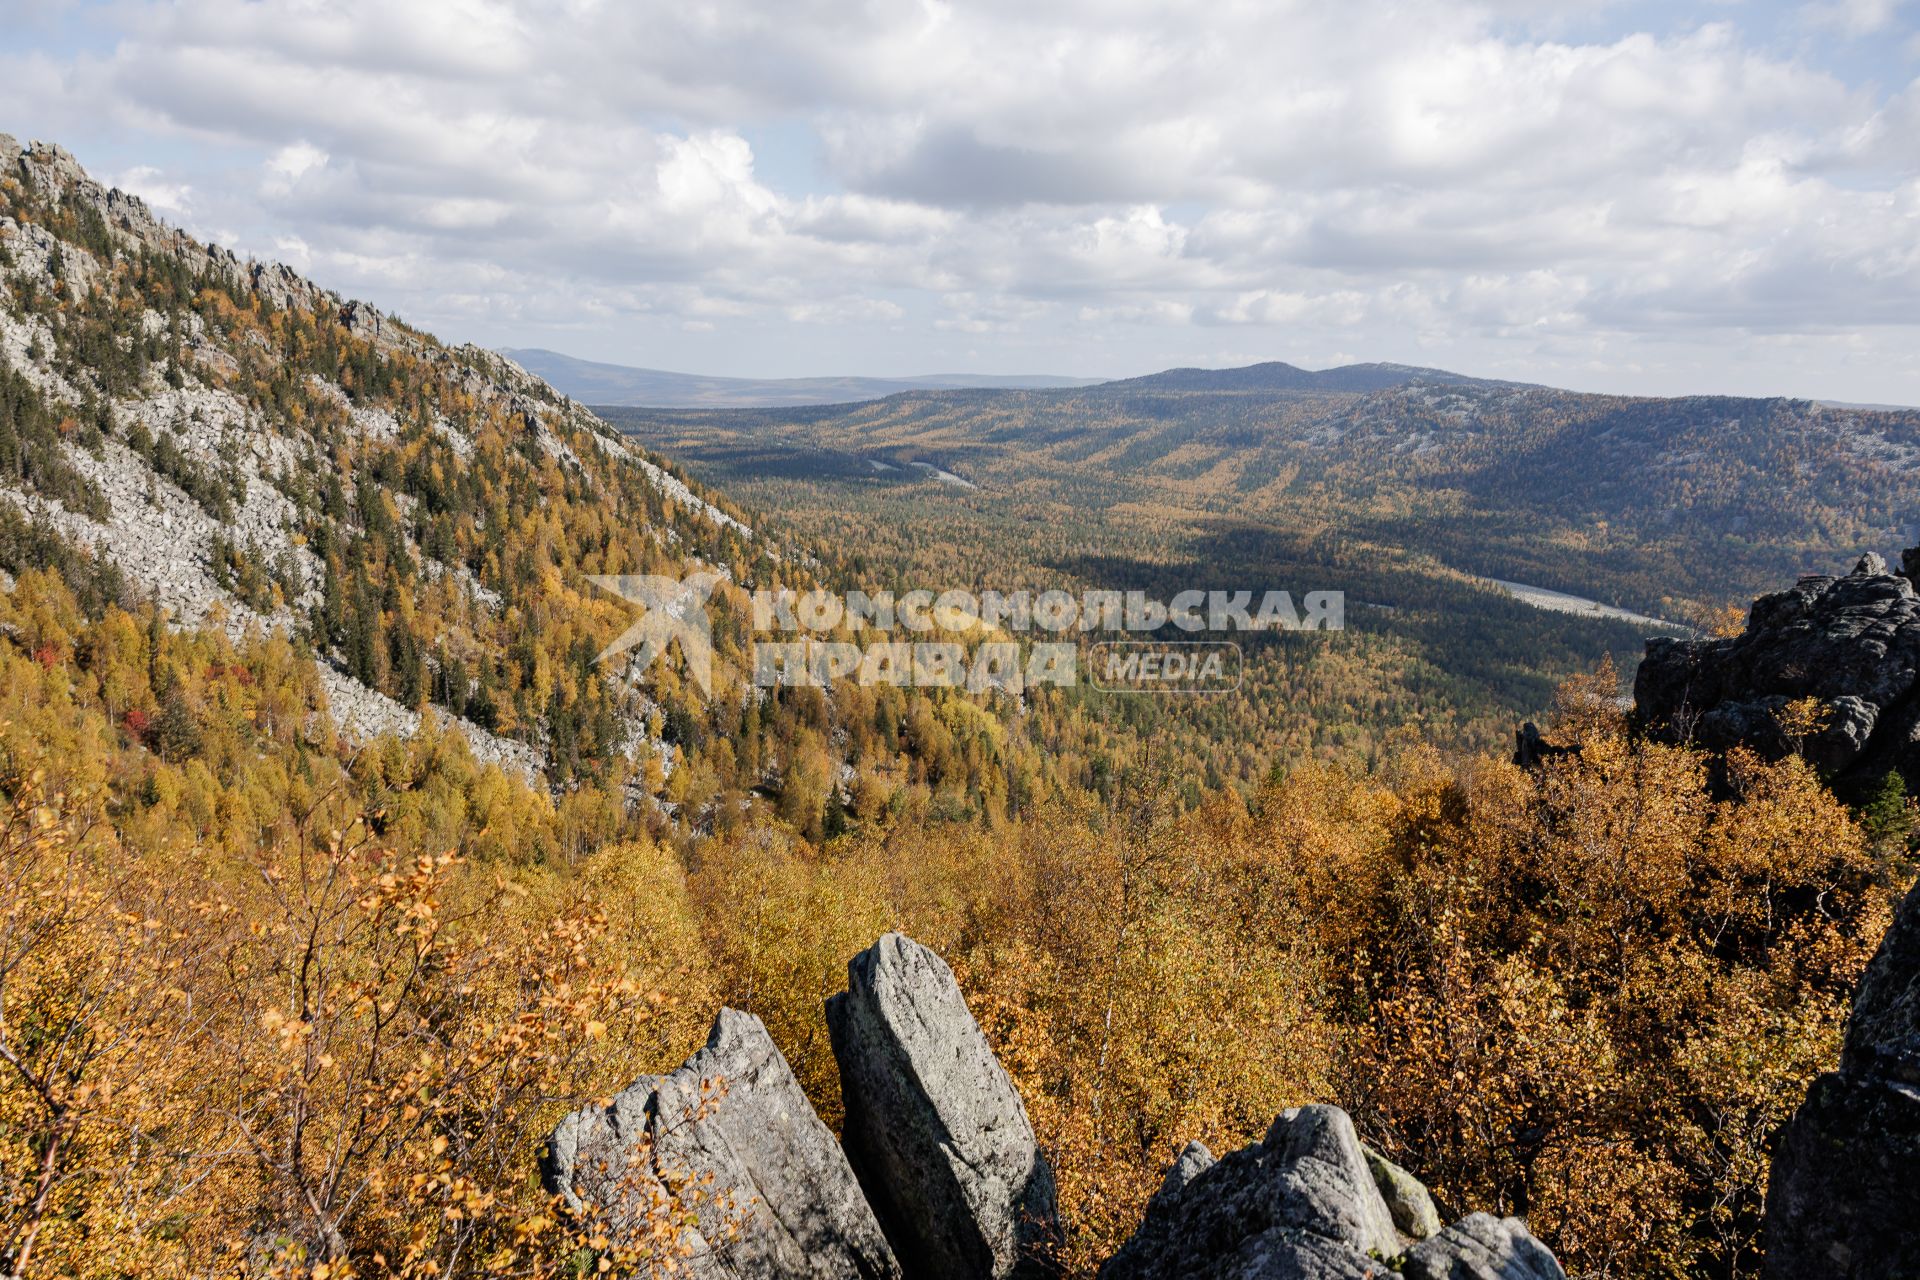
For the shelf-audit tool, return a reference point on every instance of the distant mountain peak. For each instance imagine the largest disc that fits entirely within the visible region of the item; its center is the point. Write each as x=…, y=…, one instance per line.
x=1278, y=375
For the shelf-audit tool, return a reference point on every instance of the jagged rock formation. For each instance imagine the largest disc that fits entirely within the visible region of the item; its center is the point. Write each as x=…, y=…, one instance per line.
x=1301, y=1201
x=1305, y=1203
x=944, y=1154
x=942, y=1178
x=778, y=1175
x=934, y=1128
x=1852, y=643
x=1482, y=1247
x=1844, y=1199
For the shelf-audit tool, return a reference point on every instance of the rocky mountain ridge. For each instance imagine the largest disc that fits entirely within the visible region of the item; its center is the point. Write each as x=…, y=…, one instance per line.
x=187, y=447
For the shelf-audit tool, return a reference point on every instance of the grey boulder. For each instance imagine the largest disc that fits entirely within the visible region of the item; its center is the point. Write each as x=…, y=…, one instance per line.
x=1482, y=1247
x=1299, y=1205
x=1408, y=1200
x=782, y=1202
x=934, y=1129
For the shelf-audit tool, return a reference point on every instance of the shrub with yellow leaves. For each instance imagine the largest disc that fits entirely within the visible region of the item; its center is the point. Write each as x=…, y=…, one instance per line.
x=1590, y=993
x=329, y=1060
x=97, y=1028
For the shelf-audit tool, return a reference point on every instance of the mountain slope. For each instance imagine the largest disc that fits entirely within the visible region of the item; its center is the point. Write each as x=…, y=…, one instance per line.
x=248, y=449
x=192, y=441
x=594, y=382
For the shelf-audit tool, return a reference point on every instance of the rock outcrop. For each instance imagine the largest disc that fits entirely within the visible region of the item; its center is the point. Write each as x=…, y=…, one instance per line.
x=783, y=1202
x=1850, y=643
x=1844, y=1200
x=1482, y=1247
x=1306, y=1203
x=934, y=1129
x=1301, y=1201
x=1531, y=750
x=942, y=1179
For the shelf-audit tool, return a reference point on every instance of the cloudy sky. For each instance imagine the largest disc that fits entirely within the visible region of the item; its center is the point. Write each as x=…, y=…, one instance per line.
x=1719, y=196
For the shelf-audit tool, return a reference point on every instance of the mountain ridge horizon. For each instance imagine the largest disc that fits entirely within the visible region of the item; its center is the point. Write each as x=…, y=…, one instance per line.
x=618, y=385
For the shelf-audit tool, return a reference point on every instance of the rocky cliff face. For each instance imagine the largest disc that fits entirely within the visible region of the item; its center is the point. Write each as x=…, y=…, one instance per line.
x=1851, y=644
x=939, y=1155
x=1844, y=1199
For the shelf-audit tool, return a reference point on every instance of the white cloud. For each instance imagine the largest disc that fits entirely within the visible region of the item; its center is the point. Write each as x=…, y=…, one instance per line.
x=842, y=311
x=151, y=185
x=1339, y=177
x=1855, y=17
x=293, y=161
x=1282, y=306
x=1158, y=311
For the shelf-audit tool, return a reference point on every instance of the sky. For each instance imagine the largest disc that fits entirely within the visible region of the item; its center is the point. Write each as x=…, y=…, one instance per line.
x=1646, y=198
